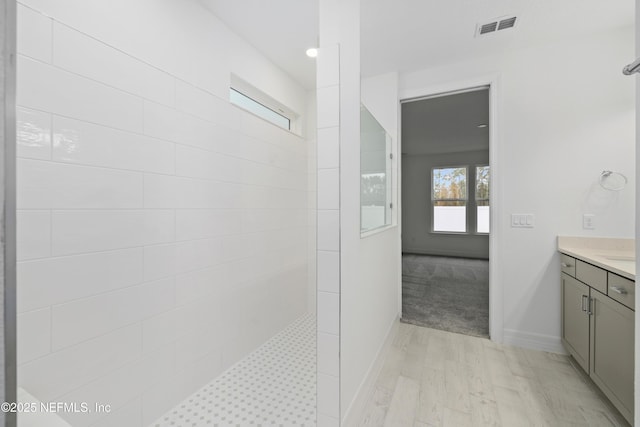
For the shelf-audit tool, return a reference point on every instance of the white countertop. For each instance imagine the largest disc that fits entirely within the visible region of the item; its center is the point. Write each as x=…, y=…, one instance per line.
x=615, y=255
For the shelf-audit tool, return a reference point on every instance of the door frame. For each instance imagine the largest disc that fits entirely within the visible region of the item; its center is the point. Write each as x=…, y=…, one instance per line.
x=496, y=296
x=8, y=362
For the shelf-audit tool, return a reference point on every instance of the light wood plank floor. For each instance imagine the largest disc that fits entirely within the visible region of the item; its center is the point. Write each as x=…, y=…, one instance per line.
x=436, y=378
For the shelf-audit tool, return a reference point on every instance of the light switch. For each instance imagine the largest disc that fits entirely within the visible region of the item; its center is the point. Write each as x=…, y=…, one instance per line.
x=522, y=220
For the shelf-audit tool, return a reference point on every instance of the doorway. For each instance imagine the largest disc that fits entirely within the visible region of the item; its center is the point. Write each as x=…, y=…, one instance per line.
x=446, y=205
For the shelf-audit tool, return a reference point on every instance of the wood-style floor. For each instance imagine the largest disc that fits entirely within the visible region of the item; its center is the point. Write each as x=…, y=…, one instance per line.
x=436, y=378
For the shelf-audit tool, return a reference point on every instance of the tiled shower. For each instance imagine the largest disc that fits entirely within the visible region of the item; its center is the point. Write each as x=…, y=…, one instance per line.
x=163, y=233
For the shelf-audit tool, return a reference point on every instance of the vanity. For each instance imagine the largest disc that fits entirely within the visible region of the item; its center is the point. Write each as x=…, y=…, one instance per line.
x=598, y=313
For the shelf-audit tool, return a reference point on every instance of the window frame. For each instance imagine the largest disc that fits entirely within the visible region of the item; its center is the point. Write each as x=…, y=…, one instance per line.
x=476, y=199
x=269, y=103
x=433, y=200
x=260, y=106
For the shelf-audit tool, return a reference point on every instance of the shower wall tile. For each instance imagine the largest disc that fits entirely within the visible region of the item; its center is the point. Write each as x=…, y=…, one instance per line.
x=204, y=223
x=159, y=261
x=328, y=351
x=202, y=104
x=328, y=236
x=48, y=185
x=327, y=421
x=207, y=135
x=33, y=134
x=162, y=122
x=328, y=400
x=329, y=189
x=160, y=191
x=328, y=271
x=328, y=66
x=163, y=329
x=76, y=52
x=34, y=229
x=76, y=232
x=198, y=284
x=120, y=386
x=328, y=148
x=34, y=34
x=328, y=99
x=82, y=319
x=34, y=327
x=163, y=231
x=61, y=372
x=196, y=254
x=328, y=230
x=197, y=163
x=47, y=88
x=85, y=143
x=72, y=277
x=329, y=313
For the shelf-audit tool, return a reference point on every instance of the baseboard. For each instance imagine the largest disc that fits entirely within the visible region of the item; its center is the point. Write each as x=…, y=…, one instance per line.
x=453, y=254
x=355, y=411
x=533, y=341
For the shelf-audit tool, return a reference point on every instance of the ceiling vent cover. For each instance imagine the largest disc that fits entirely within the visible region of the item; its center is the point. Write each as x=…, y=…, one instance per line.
x=494, y=25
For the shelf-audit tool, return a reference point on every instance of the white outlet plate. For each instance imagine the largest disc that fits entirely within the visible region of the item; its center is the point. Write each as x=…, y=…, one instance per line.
x=589, y=221
x=523, y=220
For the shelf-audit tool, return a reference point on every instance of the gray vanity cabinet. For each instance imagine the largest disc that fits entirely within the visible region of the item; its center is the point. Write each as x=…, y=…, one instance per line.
x=612, y=342
x=575, y=319
x=598, y=328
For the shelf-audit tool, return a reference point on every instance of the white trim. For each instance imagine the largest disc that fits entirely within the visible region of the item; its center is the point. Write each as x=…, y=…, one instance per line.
x=496, y=296
x=455, y=254
x=365, y=391
x=534, y=341
x=256, y=94
x=398, y=202
x=377, y=230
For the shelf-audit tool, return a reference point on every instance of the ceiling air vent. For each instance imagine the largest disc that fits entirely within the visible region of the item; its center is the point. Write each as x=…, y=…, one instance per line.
x=497, y=24
x=488, y=28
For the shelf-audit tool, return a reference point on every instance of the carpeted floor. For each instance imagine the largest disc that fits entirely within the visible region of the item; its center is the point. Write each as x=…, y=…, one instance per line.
x=451, y=294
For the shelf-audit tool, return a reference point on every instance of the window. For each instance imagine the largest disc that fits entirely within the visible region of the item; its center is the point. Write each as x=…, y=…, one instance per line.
x=482, y=199
x=452, y=210
x=449, y=199
x=253, y=106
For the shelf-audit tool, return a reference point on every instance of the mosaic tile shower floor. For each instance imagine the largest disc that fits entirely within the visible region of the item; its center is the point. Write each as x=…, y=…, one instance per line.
x=273, y=386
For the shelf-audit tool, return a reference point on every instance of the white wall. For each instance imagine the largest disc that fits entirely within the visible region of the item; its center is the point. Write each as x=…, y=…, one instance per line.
x=162, y=231
x=416, y=215
x=565, y=113
x=371, y=265
x=358, y=279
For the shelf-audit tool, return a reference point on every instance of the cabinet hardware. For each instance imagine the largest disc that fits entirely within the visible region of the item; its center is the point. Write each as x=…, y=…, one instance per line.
x=589, y=307
x=565, y=265
x=584, y=302
x=621, y=291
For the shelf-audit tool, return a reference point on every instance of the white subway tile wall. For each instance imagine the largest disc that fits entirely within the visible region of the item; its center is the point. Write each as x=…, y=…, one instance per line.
x=328, y=236
x=162, y=232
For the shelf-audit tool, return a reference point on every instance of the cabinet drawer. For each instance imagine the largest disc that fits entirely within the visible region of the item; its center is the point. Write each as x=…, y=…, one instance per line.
x=622, y=290
x=592, y=276
x=568, y=265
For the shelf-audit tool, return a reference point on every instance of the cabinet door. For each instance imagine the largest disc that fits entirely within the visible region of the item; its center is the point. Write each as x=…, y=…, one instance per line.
x=575, y=319
x=612, y=347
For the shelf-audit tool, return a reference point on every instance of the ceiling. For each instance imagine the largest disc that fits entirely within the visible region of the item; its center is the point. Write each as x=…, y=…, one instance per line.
x=446, y=124
x=415, y=34
x=281, y=29
x=401, y=35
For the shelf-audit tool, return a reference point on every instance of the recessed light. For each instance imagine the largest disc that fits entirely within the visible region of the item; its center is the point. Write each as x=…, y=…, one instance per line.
x=312, y=52
x=482, y=125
